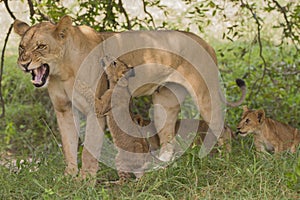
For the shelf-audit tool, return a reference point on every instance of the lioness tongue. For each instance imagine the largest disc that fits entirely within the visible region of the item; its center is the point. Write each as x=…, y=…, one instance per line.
x=39, y=72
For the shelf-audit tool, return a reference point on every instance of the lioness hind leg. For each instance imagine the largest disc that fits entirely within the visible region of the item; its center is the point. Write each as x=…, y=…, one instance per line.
x=211, y=111
x=89, y=164
x=166, y=109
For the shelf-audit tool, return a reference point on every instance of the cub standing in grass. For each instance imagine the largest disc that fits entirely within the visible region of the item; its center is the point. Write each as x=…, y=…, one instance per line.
x=139, y=146
x=269, y=135
x=133, y=152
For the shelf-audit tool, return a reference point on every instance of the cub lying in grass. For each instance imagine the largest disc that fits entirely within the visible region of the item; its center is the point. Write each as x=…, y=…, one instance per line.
x=269, y=135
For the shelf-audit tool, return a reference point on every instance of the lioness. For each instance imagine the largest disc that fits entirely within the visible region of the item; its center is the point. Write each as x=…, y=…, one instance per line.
x=269, y=135
x=54, y=54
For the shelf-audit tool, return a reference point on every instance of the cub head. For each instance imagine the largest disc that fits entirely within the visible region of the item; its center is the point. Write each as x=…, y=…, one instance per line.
x=251, y=121
x=115, y=70
x=42, y=48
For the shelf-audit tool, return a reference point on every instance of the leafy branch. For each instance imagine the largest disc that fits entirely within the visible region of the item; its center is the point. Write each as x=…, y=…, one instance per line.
x=258, y=83
x=148, y=13
x=122, y=10
x=33, y=12
x=288, y=26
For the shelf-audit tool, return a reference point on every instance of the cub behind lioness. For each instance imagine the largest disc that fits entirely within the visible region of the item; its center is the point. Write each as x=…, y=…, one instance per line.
x=134, y=152
x=269, y=135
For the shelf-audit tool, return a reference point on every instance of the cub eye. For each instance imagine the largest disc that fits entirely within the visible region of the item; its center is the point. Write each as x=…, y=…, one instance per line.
x=247, y=121
x=41, y=46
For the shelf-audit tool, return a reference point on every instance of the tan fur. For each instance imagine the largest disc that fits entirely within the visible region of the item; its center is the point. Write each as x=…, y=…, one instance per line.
x=133, y=152
x=125, y=143
x=61, y=48
x=64, y=48
x=269, y=135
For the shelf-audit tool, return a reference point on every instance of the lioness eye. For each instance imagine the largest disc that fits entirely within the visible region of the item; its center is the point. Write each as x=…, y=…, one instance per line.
x=41, y=46
x=21, y=49
x=247, y=121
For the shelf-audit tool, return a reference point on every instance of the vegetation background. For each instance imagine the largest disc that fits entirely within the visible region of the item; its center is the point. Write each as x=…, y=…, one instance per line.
x=254, y=40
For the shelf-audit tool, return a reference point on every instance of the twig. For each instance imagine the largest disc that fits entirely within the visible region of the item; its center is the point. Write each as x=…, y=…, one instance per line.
x=33, y=12
x=53, y=135
x=31, y=8
x=259, y=27
x=2, y=58
x=288, y=23
x=45, y=17
x=8, y=10
x=122, y=10
x=1, y=70
x=149, y=14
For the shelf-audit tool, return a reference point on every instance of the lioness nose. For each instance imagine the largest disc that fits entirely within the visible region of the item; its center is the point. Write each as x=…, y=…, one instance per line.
x=237, y=131
x=25, y=66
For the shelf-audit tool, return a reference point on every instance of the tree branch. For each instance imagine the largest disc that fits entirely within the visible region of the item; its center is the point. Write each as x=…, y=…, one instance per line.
x=31, y=8
x=8, y=10
x=259, y=27
x=289, y=25
x=33, y=12
x=2, y=58
x=149, y=14
x=1, y=70
x=122, y=10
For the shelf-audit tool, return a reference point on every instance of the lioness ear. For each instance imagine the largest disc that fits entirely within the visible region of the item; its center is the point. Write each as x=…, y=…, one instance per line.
x=62, y=27
x=20, y=27
x=260, y=115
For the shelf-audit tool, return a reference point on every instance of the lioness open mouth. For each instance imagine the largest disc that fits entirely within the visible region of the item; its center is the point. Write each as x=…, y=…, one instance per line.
x=40, y=75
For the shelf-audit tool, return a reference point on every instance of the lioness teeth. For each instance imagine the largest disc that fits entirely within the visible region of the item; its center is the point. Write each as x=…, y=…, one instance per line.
x=38, y=75
x=36, y=82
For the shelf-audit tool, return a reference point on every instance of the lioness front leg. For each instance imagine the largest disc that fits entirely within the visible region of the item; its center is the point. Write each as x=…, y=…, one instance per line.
x=69, y=139
x=92, y=145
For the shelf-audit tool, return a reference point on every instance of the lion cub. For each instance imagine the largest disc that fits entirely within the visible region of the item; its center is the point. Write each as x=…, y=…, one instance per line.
x=269, y=135
x=133, y=152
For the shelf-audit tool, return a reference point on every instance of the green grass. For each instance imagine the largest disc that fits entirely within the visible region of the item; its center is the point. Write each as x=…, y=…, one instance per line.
x=242, y=174
x=29, y=130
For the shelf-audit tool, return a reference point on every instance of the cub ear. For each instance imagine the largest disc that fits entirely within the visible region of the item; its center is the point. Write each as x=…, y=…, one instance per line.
x=63, y=25
x=260, y=115
x=245, y=109
x=20, y=27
